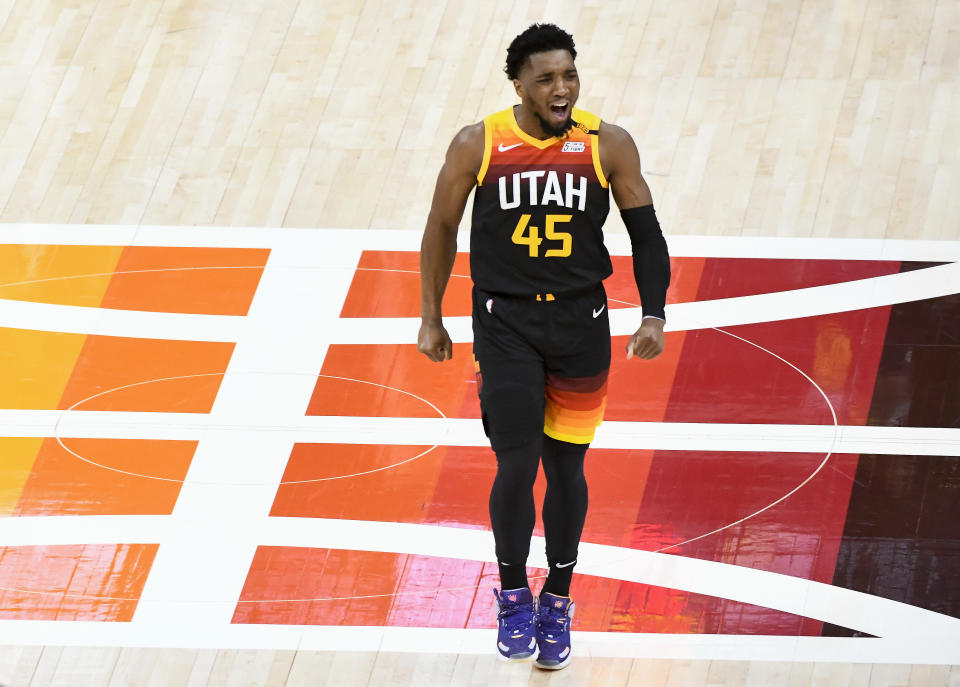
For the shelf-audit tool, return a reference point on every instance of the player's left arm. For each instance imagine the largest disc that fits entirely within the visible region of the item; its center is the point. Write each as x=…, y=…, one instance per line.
x=620, y=161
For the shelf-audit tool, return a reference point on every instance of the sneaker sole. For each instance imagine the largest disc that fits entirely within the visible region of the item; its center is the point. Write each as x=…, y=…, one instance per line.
x=518, y=658
x=556, y=666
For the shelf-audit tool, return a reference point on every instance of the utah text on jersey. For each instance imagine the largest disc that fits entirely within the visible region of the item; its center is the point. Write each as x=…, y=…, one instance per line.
x=552, y=191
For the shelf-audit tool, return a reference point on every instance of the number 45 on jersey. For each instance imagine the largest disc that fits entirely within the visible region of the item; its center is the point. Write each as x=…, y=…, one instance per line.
x=527, y=235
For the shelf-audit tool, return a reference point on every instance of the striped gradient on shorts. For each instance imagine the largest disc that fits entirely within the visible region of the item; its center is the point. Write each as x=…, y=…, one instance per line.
x=574, y=407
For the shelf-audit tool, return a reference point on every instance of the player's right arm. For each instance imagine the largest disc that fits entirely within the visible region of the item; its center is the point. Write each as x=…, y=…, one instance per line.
x=438, y=249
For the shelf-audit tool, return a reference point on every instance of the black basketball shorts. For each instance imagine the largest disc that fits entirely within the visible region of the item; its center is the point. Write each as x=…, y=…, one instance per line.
x=542, y=364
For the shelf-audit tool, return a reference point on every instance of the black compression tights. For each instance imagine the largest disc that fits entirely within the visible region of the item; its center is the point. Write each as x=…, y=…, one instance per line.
x=512, y=512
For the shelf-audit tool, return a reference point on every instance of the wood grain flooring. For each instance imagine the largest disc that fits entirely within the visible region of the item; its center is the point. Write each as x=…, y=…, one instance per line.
x=804, y=118
x=774, y=118
x=72, y=667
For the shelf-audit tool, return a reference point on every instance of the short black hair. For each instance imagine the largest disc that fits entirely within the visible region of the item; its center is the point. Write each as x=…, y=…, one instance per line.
x=537, y=38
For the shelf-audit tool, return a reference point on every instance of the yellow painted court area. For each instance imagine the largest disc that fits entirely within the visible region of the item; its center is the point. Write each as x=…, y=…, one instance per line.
x=17, y=456
x=37, y=366
x=65, y=275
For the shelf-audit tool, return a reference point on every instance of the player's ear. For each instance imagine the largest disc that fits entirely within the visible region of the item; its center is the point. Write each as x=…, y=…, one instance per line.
x=518, y=87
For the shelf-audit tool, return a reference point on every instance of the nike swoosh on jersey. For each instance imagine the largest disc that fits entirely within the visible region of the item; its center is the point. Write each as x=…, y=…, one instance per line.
x=596, y=313
x=504, y=149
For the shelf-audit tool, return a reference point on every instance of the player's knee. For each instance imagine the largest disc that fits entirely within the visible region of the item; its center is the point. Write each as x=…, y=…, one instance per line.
x=563, y=468
x=507, y=441
x=517, y=467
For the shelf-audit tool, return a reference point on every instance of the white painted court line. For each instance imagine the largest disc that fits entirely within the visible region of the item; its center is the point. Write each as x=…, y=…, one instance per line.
x=769, y=307
x=409, y=240
x=874, y=292
x=311, y=250
x=416, y=431
x=215, y=520
x=215, y=528
x=75, y=319
x=908, y=625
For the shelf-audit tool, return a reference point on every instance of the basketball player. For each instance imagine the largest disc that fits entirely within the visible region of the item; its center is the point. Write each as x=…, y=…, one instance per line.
x=541, y=333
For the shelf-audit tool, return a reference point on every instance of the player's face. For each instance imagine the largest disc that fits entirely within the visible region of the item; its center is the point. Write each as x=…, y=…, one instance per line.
x=548, y=85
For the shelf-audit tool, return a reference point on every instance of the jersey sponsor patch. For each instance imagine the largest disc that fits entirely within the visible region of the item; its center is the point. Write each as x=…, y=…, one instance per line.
x=574, y=147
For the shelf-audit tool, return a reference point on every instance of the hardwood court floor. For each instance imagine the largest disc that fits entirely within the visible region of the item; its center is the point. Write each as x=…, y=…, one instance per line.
x=328, y=669
x=217, y=441
x=797, y=118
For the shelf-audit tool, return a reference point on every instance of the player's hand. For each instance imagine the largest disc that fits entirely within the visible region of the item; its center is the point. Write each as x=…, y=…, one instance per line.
x=647, y=342
x=434, y=342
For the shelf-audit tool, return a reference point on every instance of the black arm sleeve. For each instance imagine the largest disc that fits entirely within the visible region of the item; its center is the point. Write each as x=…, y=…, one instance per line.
x=651, y=262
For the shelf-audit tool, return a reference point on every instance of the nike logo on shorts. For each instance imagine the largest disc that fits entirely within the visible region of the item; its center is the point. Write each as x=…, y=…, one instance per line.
x=596, y=313
x=502, y=148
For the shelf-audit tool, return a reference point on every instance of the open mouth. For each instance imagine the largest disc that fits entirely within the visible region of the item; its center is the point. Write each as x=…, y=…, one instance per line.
x=560, y=110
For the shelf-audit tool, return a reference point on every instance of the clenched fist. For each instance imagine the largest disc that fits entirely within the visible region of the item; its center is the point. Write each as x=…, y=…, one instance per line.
x=434, y=342
x=647, y=342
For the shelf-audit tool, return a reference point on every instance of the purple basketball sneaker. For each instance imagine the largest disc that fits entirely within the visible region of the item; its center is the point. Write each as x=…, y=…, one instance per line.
x=516, y=624
x=553, y=631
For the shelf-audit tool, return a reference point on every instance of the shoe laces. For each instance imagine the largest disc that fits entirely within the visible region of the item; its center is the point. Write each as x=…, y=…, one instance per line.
x=517, y=614
x=553, y=621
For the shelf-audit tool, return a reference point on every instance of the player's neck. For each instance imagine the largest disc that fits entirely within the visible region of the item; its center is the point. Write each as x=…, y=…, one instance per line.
x=529, y=123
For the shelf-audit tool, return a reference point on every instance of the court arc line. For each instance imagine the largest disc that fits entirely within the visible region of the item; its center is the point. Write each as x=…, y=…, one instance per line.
x=809, y=478
x=823, y=464
x=423, y=453
x=819, y=601
x=59, y=438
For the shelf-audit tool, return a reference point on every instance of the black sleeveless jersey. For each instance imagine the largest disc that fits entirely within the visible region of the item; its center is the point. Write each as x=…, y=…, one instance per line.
x=539, y=209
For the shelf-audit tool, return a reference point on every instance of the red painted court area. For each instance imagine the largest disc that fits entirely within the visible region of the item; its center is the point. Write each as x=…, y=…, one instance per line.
x=639, y=499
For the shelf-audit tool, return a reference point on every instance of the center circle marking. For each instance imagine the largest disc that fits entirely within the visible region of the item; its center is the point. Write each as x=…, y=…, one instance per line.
x=59, y=430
